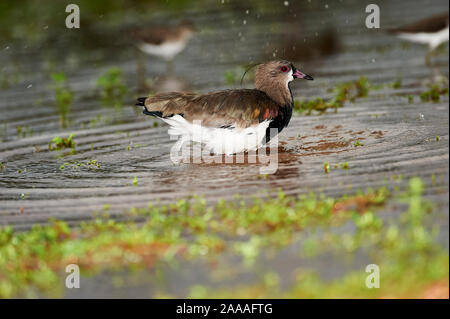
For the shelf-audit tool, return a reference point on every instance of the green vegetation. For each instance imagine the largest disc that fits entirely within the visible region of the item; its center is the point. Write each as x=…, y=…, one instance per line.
x=95, y=121
x=63, y=96
x=35, y=257
x=60, y=143
x=3, y=132
x=326, y=167
x=190, y=229
x=346, y=92
x=113, y=90
x=24, y=21
x=230, y=77
x=91, y=164
x=2, y=166
x=350, y=91
x=408, y=258
x=234, y=76
x=135, y=181
x=434, y=93
x=344, y=165
x=318, y=105
x=358, y=143
x=24, y=131
x=397, y=84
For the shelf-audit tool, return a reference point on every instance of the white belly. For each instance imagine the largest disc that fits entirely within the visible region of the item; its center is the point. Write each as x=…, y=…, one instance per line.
x=219, y=140
x=167, y=50
x=432, y=39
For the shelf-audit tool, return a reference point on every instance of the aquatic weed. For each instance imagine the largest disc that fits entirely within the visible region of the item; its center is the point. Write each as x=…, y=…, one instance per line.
x=345, y=92
x=60, y=143
x=63, y=96
x=434, y=93
x=113, y=89
x=191, y=229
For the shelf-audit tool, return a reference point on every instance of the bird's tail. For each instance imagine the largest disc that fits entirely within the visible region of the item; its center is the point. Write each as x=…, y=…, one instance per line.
x=141, y=101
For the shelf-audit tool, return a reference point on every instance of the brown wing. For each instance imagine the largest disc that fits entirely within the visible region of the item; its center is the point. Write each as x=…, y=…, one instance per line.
x=242, y=108
x=428, y=25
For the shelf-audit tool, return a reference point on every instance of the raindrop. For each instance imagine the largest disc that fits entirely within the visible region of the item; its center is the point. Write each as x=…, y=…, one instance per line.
x=326, y=6
x=421, y=116
x=286, y=3
x=373, y=60
x=29, y=86
x=247, y=11
x=244, y=22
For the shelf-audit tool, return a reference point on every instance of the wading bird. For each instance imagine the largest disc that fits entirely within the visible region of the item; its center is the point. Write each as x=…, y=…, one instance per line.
x=230, y=121
x=164, y=41
x=432, y=31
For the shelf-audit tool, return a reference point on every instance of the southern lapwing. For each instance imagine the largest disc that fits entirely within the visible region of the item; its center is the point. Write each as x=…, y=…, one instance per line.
x=230, y=121
x=432, y=31
x=164, y=41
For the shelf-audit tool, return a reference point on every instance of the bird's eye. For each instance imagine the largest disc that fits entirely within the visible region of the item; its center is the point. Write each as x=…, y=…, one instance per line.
x=284, y=69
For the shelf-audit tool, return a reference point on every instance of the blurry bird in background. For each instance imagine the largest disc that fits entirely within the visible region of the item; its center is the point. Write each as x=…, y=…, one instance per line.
x=165, y=42
x=432, y=31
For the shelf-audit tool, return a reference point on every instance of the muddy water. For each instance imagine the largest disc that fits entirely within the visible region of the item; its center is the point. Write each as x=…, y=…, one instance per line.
x=398, y=137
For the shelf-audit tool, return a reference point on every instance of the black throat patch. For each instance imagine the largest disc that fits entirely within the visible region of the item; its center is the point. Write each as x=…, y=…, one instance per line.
x=282, y=119
x=280, y=122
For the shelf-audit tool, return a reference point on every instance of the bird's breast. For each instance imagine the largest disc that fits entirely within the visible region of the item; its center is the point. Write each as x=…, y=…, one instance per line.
x=279, y=122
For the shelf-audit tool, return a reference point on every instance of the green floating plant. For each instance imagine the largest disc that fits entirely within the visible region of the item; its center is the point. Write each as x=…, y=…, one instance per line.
x=63, y=96
x=192, y=229
x=345, y=92
x=61, y=143
x=434, y=93
x=113, y=89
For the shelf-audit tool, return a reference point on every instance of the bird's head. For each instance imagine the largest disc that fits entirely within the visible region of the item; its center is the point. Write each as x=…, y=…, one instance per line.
x=278, y=71
x=273, y=78
x=187, y=28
